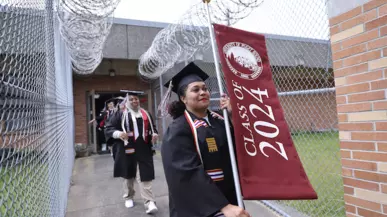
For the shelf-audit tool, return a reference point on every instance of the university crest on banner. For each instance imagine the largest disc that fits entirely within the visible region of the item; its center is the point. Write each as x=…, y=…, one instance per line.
x=268, y=163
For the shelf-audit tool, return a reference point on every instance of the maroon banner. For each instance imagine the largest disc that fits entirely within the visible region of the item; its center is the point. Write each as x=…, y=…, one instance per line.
x=268, y=163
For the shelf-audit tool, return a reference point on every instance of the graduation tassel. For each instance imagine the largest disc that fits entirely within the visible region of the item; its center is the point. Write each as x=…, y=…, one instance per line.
x=127, y=103
x=225, y=113
x=125, y=118
x=164, y=104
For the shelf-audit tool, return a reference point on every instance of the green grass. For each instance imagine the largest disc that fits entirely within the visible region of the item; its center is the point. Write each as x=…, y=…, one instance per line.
x=24, y=189
x=320, y=156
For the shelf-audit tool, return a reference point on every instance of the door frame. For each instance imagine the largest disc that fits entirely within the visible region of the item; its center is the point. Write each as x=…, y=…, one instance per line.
x=91, y=128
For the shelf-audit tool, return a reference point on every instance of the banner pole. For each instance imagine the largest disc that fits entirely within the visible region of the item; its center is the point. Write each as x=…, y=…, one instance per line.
x=225, y=113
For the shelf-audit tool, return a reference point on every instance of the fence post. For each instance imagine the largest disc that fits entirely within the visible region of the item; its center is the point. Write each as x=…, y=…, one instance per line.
x=50, y=109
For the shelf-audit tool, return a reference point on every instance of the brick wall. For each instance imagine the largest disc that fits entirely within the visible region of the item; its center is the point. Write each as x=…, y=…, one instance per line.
x=359, y=51
x=314, y=112
x=99, y=83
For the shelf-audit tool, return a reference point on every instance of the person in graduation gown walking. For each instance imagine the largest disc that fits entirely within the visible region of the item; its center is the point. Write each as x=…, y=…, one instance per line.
x=195, y=152
x=120, y=105
x=101, y=120
x=135, y=132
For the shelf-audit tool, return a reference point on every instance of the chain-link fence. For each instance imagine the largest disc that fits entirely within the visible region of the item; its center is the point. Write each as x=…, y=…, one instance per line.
x=302, y=71
x=297, y=38
x=36, y=112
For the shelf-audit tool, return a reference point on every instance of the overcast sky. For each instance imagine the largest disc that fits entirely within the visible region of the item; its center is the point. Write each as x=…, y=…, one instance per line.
x=304, y=18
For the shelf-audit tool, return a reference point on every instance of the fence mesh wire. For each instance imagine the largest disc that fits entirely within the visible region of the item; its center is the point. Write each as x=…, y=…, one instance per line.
x=297, y=38
x=303, y=74
x=36, y=112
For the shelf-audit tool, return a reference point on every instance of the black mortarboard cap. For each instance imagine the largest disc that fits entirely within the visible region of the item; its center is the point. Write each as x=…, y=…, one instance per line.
x=110, y=100
x=133, y=92
x=115, y=100
x=190, y=73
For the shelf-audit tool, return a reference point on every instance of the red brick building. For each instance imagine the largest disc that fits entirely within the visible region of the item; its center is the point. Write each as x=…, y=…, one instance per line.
x=86, y=86
x=128, y=40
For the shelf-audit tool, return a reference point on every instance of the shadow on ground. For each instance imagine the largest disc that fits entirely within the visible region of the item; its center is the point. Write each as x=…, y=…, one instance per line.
x=95, y=193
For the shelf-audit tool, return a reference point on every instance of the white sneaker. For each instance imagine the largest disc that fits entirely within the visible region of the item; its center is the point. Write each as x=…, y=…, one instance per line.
x=129, y=203
x=125, y=196
x=151, y=208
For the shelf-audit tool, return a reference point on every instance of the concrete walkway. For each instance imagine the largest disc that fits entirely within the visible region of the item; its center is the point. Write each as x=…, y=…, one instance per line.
x=96, y=193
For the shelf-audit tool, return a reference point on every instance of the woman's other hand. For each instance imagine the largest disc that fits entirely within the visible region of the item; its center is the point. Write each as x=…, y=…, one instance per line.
x=234, y=211
x=124, y=136
x=155, y=137
x=225, y=103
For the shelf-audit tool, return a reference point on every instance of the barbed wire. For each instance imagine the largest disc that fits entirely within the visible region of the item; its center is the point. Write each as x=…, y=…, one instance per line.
x=84, y=26
x=90, y=9
x=189, y=35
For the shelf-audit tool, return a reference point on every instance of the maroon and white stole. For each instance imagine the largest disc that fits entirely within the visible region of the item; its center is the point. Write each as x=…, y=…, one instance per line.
x=146, y=122
x=215, y=174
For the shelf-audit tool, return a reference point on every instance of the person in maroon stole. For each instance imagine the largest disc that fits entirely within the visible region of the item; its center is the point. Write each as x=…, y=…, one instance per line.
x=195, y=152
x=134, y=134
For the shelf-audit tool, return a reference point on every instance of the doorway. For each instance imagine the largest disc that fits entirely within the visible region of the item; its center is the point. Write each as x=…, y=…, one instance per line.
x=96, y=105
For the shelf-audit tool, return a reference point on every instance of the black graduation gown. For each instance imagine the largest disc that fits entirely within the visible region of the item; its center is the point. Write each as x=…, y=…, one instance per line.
x=125, y=163
x=111, y=142
x=103, y=116
x=193, y=191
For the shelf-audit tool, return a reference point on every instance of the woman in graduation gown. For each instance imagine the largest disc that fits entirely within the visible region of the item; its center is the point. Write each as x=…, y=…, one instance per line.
x=101, y=120
x=195, y=152
x=120, y=106
x=134, y=133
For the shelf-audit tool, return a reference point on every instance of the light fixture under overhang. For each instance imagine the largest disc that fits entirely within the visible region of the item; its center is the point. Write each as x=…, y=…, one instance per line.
x=112, y=72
